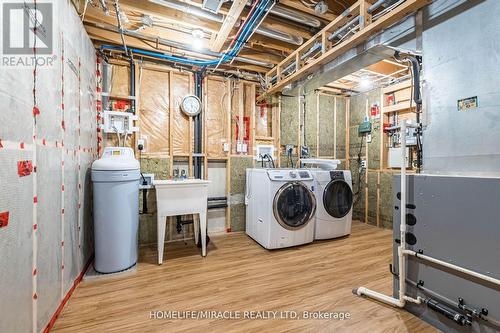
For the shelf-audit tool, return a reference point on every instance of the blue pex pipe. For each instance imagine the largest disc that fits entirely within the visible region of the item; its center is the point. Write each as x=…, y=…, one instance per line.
x=261, y=8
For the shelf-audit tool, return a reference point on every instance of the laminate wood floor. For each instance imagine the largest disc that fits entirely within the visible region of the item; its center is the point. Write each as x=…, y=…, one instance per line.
x=240, y=276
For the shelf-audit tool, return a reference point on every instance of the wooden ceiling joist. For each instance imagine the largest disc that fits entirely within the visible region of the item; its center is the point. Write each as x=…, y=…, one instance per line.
x=228, y=24
x=330, y=52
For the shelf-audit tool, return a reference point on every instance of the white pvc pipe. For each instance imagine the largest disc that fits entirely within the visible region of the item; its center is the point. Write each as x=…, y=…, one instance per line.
x=403, y=252
x=402, y=298
x=402, y=225
x=454, y=267
x=380, y=297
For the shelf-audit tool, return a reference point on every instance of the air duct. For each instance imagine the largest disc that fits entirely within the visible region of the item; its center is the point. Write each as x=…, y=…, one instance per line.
x=295, y=16
x=280, y=35
x=190, y=9
x=272, y=33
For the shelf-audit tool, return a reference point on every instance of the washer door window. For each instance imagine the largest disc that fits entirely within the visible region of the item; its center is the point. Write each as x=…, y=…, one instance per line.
x=337, y=198
x=294, y=205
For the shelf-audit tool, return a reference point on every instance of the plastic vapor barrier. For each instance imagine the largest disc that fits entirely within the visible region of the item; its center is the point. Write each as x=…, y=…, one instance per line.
x=216, y=117
x=154, y=111
x=180, y=128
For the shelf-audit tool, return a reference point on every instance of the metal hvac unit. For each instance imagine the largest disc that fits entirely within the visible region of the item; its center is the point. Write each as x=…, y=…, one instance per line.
x=454, y=219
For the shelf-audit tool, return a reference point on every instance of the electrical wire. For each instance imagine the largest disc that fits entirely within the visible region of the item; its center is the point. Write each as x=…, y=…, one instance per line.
x=360, y=169
x=203, y=63
x=120, y=26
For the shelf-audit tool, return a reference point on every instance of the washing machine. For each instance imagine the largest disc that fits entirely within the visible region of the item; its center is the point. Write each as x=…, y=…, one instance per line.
x=333, y=191
x=280, y=207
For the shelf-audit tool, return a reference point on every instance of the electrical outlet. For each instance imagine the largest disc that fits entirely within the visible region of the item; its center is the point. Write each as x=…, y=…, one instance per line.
x=239, y=147
x=363, y=164
x=141, y=145
x=149, y=178
x=226, y=147
x=369, y=138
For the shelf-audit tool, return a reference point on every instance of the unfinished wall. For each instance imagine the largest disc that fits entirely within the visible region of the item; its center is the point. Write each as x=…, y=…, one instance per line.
x=229, y=117
x=47, y=142
x=373, y=187
x=317, y=120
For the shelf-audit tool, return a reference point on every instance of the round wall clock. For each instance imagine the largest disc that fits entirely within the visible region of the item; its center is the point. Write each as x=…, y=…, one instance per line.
x=191, y=105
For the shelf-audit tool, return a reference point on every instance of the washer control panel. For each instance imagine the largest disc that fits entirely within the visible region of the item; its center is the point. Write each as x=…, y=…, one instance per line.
x=289, y=174
x=334, y=175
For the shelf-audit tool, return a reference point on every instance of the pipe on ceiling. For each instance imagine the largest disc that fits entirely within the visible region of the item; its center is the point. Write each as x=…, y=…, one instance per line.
x=190, y=9
x=296, y=16
x=219, y=18
x=177, y=45
x=280, y=35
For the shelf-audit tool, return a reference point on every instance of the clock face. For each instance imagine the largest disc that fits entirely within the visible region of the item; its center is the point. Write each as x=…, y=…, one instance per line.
x=191, y=105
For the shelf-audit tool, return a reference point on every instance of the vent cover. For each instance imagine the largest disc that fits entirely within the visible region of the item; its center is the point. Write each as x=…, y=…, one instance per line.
x=212, y=5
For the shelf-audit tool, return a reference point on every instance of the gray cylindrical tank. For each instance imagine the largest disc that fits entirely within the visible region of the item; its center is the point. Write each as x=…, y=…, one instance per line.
x=115, y=180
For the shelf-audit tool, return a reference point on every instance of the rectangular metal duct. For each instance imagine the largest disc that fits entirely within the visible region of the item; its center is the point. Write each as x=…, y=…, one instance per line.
x=212, y=5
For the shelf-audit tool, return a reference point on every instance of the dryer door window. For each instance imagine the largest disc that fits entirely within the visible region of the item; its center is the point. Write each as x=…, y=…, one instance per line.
x=294, y=205
x=337, y=198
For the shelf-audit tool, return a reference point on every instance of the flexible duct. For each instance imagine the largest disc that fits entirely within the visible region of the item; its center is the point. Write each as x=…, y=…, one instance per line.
x=190, y=9
x=295, y=16
x=196, y=11
x=286, y=37
x=377, y=4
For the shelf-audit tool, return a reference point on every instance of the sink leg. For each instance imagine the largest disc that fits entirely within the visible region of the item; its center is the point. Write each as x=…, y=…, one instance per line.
x=203, y=226
x=162, y=223
x=196, y=227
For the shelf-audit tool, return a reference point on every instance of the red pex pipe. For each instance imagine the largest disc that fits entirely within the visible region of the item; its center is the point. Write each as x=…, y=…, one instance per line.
x=241, y=26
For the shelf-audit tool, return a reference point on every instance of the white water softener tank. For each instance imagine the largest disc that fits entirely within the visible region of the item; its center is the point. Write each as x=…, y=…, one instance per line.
x=116, y=209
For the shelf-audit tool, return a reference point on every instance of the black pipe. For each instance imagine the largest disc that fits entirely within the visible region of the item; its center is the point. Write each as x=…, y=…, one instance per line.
x=417, y=97
x=132, y=84
x=217, y=206
x=198, y=131
x=145, y=201
x=415, y=63
x=217, y=198
x=449, y=313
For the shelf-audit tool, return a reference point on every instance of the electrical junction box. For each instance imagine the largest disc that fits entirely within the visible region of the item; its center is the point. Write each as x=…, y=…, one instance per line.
x=119, y=122
x=262, y=150
x=394, y=158
x=365, y=127
x=149, y=178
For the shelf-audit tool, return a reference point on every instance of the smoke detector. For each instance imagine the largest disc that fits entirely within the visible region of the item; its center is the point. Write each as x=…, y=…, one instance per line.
x=321, y=7
x=212, y=5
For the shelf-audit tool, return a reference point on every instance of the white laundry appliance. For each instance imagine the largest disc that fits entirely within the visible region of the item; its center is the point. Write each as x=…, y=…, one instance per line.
x=280, y=207
x=333, y=191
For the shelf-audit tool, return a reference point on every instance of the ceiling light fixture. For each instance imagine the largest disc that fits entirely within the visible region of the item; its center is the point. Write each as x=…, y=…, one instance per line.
x=197, y=40
x=365, y=83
